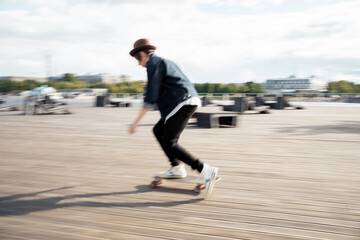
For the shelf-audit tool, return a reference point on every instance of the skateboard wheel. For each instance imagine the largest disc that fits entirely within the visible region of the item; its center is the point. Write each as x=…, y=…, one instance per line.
x=199, y=187
x=156, y=183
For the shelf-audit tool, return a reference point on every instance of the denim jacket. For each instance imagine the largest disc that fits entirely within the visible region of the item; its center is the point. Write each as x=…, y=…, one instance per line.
x=167, y=86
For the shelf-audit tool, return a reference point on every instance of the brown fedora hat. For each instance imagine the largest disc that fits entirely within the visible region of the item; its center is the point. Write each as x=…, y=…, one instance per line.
x=141, y=44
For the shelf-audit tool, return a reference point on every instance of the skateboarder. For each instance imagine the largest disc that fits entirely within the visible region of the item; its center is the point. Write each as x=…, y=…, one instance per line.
x=177, y=100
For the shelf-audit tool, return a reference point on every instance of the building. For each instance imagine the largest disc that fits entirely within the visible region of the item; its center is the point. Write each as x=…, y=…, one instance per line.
x=294, y=84
x=90, y=78
x=103, y=78
x=21, y=79
x=98, y=78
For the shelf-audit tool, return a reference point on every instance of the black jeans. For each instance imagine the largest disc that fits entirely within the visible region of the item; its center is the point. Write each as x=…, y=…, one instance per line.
x=168, y=134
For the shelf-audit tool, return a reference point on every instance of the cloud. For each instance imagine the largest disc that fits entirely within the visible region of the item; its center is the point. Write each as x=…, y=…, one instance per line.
x=97, y=37
x=248, y=3
x=37, y=3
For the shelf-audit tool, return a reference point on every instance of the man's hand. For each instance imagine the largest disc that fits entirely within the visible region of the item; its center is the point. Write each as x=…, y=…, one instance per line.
x=132, y=129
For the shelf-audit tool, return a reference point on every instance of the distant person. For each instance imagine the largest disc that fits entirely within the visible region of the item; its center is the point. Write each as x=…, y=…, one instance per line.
x=177, y=100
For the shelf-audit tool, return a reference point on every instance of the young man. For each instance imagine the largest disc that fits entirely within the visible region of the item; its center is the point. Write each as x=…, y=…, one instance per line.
x=177, y=100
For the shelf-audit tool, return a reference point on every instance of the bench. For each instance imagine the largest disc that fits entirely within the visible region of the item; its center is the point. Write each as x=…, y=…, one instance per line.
x=7, y=107
x=34, y=105
x=242, y=105
x=216, y=119
x=280, y=104
x=119, y=103
x=105, y=100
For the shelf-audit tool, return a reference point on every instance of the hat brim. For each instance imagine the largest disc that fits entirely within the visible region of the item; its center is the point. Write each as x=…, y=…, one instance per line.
x=141, y=48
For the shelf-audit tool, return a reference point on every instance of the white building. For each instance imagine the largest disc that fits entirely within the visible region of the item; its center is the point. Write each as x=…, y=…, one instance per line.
x=103, y=77
x=98, y=78
x=293, y=84
x=21, y=79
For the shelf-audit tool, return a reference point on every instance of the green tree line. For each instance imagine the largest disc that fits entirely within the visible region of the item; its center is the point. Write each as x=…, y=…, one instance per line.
x=343, y=87
x=69, y=81
x=249, y=87
x=126, y=87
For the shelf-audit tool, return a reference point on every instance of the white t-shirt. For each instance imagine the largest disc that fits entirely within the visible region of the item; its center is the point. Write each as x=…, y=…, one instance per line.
x=194, y=101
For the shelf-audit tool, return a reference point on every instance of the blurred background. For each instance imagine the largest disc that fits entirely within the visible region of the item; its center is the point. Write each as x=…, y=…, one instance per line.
x=280, y=77
x=213, y=41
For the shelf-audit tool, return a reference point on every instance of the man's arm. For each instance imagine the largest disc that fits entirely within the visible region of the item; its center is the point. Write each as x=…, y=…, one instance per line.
x=155, y=76
x=133, y=127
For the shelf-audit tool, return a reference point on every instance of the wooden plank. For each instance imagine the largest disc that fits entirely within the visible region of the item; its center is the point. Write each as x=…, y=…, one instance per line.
x=288, y=175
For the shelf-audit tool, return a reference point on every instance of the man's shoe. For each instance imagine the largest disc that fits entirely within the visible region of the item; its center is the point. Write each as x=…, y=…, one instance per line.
x=209, y=174
x=173, y=172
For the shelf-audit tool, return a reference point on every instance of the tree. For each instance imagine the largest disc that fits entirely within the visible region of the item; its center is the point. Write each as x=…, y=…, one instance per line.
x=7, y=86
x=343, y=87
x=69, y=77
x=254, y=87
x=249, y=87
x=28, y=84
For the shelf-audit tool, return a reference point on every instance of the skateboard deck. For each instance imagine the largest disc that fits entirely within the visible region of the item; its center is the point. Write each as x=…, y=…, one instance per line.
x=200, y=183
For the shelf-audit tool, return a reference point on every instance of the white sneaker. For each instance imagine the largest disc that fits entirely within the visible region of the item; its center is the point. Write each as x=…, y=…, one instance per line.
x=209, y=174
x=173, y=172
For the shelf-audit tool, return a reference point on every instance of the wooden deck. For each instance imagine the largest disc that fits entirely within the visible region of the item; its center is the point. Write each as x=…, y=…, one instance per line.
x=291, y=174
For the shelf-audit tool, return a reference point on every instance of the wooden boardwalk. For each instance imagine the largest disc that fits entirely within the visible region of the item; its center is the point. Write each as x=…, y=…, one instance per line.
x=291, y=174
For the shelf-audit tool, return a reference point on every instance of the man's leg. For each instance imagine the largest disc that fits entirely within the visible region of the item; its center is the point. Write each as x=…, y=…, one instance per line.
x=171, y=134
x=174, y=126
x=159, y=130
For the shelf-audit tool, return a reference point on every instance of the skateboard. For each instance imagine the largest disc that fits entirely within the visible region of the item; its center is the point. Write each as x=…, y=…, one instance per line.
x=200, y=183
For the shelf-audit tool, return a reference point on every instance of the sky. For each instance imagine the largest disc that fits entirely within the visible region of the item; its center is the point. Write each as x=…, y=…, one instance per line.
x=216, y=41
